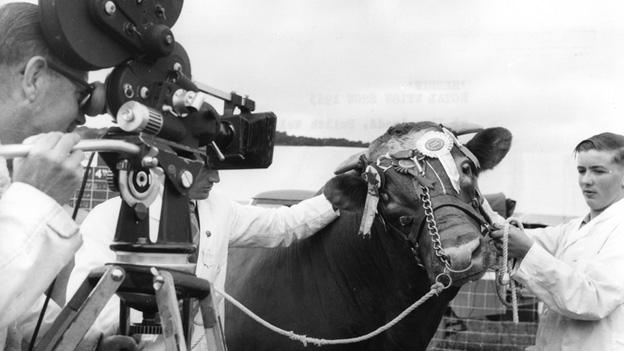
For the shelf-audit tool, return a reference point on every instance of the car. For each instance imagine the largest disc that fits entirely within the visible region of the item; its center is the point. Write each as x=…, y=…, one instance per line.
x=282, y=197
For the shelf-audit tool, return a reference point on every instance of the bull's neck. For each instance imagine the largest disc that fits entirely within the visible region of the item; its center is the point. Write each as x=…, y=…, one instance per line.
x=337, y=284
x=371, y=280
x=365, y=272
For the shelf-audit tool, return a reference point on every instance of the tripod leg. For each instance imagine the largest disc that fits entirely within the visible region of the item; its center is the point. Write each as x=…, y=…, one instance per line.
x=81, y=311
x=124, y=318
x=187, y=318
x=212, y=324
x=169, y=312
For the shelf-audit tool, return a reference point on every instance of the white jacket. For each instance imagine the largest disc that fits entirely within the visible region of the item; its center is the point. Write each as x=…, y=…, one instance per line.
x=223, y=224
x=37, y=239
x=578, y=272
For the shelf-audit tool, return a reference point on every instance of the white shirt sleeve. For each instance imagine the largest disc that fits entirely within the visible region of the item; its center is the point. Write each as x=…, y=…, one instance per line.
x=587, y=288
x=37, y=239
x=548, y=237
x=254, y=226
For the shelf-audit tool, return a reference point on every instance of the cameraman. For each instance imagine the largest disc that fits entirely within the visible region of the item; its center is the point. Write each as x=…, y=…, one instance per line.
x=38, y=94
x=37, y=236
x=222, y=223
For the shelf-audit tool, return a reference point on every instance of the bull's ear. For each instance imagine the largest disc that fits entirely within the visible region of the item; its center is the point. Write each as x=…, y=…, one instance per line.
x=346, y=192
x=490, y=146
x=460, y=127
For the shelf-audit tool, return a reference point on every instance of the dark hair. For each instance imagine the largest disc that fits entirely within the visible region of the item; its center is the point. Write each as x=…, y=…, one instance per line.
x=20, y=34
x=604, y=142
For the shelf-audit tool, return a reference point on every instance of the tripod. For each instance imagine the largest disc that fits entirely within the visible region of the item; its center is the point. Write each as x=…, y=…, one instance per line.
x=134, y=283
x=152, y=273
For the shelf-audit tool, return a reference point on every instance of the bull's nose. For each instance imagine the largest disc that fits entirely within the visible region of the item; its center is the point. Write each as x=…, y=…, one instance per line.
x=461, y=255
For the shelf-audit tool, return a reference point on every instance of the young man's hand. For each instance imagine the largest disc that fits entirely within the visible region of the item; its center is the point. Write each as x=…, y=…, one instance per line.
x=51, y=166
x=519, y=242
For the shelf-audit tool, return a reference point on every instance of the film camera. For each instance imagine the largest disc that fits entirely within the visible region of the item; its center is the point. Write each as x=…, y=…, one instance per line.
x=167, y=116
x=158, y=107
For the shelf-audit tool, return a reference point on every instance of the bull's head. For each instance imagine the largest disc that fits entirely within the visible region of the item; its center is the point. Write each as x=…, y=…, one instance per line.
x=421, y=183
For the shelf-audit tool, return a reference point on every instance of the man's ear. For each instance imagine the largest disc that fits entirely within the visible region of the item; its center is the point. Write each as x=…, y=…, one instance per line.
x=33, y=73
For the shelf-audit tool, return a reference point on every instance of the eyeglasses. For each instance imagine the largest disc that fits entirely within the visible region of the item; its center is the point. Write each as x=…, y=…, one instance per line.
x=86, y=89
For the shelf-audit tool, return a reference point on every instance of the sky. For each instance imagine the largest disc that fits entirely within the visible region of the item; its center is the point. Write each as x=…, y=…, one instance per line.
x=549, y=71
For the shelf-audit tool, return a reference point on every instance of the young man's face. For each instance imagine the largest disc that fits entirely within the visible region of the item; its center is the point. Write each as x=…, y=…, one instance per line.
x=203, y=184
x=601, y=179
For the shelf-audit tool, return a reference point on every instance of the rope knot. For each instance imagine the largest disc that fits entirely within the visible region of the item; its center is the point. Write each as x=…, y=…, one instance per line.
x=437, y=287
x=319, y=342
x=297, y=337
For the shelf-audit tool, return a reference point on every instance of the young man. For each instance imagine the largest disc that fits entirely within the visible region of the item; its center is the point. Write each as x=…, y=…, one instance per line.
x=222, y=223
x=577, y=268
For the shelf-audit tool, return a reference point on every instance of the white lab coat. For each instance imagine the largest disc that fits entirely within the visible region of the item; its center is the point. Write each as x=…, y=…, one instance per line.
x=37, y=239
x=223, y=224
x=578, y=272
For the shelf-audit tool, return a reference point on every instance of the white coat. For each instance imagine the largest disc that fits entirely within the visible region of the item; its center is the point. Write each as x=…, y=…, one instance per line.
x=37, y=239
x=223, y=224
x=578, y=272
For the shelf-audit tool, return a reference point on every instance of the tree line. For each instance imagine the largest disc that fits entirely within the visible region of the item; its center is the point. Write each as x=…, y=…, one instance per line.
x=282, y=138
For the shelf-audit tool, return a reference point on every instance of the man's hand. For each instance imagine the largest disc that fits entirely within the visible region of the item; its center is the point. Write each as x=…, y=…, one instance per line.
x=51, y=166
x=518, y=243
x=117, y=343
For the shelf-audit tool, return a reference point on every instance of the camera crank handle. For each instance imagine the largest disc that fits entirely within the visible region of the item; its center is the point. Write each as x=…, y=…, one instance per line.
x=21, y=150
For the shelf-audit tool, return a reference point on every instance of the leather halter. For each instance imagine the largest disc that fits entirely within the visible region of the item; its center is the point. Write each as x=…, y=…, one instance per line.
x=393, y=163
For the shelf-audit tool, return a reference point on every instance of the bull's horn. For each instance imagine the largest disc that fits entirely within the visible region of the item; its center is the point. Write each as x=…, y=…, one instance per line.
x=353, y=162
x=461, y=128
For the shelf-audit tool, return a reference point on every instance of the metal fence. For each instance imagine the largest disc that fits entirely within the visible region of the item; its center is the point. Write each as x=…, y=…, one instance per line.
x=477, y=320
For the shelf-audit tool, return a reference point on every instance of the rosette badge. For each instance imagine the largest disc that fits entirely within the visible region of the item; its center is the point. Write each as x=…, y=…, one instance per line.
x=434, y=144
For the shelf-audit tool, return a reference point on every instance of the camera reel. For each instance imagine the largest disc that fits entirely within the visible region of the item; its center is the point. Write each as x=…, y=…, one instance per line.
x=95, y=34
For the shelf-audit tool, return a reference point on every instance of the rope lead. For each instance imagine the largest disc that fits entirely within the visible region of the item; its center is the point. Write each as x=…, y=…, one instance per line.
x=435, y=289
x=504, y=279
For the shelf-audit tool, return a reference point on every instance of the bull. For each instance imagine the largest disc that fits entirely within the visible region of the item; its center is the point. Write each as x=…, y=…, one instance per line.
x=411, y=215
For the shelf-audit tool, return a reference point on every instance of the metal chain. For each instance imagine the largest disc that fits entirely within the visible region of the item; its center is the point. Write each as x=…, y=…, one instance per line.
x=432, y=228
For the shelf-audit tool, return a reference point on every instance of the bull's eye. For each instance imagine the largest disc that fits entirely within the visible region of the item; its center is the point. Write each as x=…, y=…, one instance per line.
x=406, y=220
x=466, y=169
x=485, y=229
x=475, y=203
